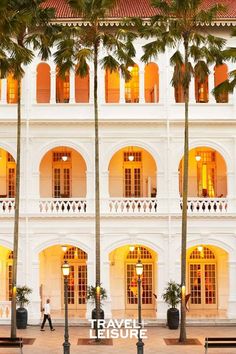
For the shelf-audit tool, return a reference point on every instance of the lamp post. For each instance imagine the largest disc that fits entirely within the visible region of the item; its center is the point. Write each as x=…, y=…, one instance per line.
x=66, y=272
x=139, y=272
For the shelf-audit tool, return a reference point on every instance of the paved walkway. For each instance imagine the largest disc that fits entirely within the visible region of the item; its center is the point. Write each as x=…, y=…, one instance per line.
x=51, y=342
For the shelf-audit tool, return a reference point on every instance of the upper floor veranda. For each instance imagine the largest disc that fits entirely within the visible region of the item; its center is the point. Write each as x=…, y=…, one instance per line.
x=147, y=95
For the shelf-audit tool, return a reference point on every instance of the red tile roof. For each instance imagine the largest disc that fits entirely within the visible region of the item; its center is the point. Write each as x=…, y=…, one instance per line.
x=131, y=8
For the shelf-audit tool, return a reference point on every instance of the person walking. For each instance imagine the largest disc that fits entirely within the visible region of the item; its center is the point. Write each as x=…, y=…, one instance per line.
x=47, y=316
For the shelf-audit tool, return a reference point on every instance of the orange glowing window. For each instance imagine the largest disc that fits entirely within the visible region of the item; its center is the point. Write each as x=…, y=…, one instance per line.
x=220, y=75
x=62, y=88
x=82, y=88
x=12, y=92
x=151, y=82
x=179, y=92
x=112, y=86
x=201, y=90
x=43, y=83
x=132, y=86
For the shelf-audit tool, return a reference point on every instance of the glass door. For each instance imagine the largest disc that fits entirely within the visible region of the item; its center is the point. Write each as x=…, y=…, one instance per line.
x=146, y=286
x=202, y=284
x=77, y=286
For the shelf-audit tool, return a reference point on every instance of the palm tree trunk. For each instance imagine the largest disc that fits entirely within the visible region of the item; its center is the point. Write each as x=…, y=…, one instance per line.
x=183, y=336
x=16, y=219
x=97, y=185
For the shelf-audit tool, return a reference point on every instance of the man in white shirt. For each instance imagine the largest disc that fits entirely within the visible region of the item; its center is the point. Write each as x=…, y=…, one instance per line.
x=47, y=316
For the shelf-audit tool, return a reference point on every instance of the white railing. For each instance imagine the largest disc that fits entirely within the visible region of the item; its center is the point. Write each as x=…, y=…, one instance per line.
x=132, y=205
x=5, y=309
x=206, y=205
x=63, y=206
x=7, y=205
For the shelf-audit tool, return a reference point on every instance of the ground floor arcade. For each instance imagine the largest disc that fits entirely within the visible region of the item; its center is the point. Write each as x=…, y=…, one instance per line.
x=211, y=269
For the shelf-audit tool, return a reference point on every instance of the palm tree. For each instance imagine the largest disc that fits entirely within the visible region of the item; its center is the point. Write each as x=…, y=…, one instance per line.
x=77, y=47
x=230, y=84
x=177, y=27
x=29, y=30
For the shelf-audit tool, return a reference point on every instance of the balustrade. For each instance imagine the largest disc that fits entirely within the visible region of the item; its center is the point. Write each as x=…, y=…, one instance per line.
x=63, y=206
x=133, y=205
x=206, y=205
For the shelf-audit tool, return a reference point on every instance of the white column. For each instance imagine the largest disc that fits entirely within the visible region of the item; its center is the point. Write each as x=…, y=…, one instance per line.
x=211, y=85
x=91, y=281
x=105, y=280
x=90, y=192
x=192, y=98
x=232, y=290
x=34, y=87
x=4, y=91
x=104, y=191
x=141, y=86
x=161, y=306
x=35, y=301
x=122, y=89
x=91, y=86
x=101, y=85
x=72, y=86
x=53, y=87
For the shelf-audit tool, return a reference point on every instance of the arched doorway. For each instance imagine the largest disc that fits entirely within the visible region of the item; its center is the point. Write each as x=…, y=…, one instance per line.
x=77, y=281
x=132, y=173
x=132, y=85
x=207, y=173
x=43, y=83
x=151, y=82
x=52, y=282
x=7, y=175
x=123, y=281
x=112, y=86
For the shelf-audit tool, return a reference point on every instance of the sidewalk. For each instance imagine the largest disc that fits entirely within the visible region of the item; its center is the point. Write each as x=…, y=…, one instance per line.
x=51, y=342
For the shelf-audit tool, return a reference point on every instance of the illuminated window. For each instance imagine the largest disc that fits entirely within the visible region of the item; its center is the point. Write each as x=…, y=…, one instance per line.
x=179, y=91
x=82, y=88
x=220, y=75
x=12, y=91
x=133, y=174
x=61, y=174
x=206, y=174
x=132, y=86
x=43, y=83
x=112, y=86
x=62, y=88
x=151, y=80
x=201, y=87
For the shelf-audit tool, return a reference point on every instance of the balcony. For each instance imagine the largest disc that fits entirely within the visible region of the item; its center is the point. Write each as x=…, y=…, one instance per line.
x=117, y=206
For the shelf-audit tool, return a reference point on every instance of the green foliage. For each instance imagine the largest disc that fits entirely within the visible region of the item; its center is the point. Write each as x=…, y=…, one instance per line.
x=172, y=294
x=91, y=294
x=22, y=293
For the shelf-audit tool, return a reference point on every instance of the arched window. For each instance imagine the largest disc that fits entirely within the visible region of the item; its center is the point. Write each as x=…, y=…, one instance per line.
x=220, y=75
x=112, y=86
x=132, y=85
x=12, y=91
x=139, y=253
x=202, y=253
x=82, y=88
x=151, y=83
x=75, y=253
x=62, y=87
x=43, y=83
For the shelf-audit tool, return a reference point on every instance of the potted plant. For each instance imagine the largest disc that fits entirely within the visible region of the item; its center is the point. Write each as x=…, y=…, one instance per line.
x=172, y=296
x=91, y=296
x=22, y=293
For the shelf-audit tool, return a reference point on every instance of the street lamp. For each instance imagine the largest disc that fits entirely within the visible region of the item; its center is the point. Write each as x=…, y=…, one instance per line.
x=66, y=271
x=139, y=272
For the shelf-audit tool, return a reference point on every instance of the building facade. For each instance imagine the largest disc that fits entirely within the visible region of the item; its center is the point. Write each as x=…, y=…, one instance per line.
x=141, y=150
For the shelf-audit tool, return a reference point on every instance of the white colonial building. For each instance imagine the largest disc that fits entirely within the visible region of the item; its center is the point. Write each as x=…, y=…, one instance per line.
x=141, y=150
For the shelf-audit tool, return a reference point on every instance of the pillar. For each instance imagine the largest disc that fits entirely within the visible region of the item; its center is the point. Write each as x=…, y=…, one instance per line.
x=90, y=281
x=122, y=89
x=4, y=91
x=105, y=280
x=141, y=86
x=53, y=87
x=232, y=290
x=91, y=86
x=211, y=85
